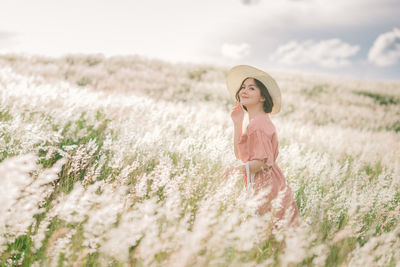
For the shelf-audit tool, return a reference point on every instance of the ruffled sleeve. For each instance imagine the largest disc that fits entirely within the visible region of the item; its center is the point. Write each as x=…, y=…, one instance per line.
x=256, y=144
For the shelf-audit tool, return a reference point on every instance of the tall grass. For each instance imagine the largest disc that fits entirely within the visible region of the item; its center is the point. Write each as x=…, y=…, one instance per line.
x=118, y=161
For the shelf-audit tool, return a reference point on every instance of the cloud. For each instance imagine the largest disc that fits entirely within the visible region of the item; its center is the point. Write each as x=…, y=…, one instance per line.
x=250, y=2
x=235, y=51
x=386, y=49
x=331, y=53
x=6, y=35
x=8, y=39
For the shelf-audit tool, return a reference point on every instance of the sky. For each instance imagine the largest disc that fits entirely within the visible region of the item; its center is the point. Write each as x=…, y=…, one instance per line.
x=357, y=38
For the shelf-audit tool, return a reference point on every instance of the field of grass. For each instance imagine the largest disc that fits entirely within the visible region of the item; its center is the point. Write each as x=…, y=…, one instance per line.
x=118, y=162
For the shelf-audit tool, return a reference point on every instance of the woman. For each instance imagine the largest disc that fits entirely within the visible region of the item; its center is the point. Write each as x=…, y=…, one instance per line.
x=258, y=94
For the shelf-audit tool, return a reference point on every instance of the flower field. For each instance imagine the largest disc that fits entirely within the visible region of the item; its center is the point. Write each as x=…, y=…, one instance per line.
x=118, y=162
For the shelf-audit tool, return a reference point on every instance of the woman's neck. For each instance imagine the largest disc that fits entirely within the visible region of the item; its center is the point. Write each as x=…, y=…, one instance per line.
x=254, y=111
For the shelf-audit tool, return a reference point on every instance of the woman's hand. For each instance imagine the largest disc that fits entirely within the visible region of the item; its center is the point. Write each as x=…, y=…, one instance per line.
x=237, y=113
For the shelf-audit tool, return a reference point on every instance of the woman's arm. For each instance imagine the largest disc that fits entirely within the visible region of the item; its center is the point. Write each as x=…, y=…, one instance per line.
x=236, y=138
x=254, y=166
x=237, y=116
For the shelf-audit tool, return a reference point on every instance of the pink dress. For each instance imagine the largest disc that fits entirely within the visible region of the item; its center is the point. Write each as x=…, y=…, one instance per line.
x=260, y=141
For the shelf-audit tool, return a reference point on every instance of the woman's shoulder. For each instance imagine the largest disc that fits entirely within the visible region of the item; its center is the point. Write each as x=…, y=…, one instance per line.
x=261, y=123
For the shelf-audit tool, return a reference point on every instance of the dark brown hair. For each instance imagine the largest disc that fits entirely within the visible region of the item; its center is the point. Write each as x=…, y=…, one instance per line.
x=268, y=104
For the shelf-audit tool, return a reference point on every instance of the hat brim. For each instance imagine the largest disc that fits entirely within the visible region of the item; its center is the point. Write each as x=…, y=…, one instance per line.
x=238, y=74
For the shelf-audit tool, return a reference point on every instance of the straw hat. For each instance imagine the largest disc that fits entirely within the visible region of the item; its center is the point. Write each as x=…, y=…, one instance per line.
x=238, y=74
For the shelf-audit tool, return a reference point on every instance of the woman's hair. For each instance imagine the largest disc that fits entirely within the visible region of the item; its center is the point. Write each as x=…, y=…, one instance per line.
x=268, y=104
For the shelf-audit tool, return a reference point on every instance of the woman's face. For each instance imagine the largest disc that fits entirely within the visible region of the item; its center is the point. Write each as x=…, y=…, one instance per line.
x=249, y=93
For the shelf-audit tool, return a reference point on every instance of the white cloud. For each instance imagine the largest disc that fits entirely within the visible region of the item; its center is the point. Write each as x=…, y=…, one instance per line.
x=235, y=51
x=329, y=53
x=386, y=49
x=250, y=2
